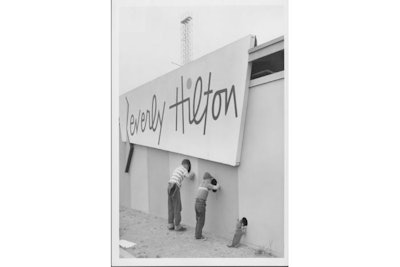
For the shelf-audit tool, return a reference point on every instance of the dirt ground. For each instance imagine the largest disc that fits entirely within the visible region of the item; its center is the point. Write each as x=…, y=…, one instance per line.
x=154, y=240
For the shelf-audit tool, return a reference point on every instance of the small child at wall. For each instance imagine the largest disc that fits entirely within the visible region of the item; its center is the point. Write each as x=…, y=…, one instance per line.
x=240, y=231
x=200, y=205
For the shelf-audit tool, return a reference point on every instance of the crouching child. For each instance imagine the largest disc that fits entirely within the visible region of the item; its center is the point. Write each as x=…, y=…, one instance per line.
x=239, y=232
x=200, y=205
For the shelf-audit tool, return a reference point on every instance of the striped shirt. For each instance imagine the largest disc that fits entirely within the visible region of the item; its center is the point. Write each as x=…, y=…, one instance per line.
x=178, y=175
x=202, y=192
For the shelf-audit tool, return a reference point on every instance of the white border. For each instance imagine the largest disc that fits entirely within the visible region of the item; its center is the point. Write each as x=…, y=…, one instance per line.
x=202, y=262
x=286, y=137
x=114, y=136
x=115, y=260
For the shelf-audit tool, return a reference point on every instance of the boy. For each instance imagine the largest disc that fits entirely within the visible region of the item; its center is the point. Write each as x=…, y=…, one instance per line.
x=240, y=230
x=200, y=206
x=174, y=195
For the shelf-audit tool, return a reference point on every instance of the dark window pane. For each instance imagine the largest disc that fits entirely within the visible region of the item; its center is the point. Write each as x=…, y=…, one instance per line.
x=267, y=65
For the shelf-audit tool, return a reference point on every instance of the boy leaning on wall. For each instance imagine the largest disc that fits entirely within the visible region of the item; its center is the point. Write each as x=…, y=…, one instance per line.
x=200, y=205
x=241, y=226
x=174, y=195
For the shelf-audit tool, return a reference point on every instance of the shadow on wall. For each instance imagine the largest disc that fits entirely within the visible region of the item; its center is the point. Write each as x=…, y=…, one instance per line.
x=124, y=178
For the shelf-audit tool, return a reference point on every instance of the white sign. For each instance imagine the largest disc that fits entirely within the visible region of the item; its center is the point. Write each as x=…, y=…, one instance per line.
x=196, y=110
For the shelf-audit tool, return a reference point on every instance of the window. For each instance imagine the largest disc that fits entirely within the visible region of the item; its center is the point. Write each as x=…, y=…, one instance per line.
x=267, y=65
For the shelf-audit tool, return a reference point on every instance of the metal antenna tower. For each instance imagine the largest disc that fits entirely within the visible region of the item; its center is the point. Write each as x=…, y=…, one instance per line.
x=186, y=39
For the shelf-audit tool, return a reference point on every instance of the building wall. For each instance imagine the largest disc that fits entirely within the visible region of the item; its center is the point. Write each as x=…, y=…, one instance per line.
x=261, y=171
x=139, y=173
x=158, y=175
x=150, y=195
x=254, y=190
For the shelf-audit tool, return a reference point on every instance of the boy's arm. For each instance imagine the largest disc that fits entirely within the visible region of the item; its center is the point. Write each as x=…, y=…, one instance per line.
x=190, y=175
x=213, y=187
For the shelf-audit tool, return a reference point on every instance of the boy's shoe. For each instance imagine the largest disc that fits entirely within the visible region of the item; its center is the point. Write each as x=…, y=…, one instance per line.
x=180, y=229
x=171, y=228
x=202, y=238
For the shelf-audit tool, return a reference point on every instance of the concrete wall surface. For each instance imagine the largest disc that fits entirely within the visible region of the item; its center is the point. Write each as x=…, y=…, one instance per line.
x=261, y=172
x=158, y=175
x=139, y=173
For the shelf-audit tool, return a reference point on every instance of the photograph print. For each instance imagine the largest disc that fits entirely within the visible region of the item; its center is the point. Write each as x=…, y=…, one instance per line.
x=199, y=132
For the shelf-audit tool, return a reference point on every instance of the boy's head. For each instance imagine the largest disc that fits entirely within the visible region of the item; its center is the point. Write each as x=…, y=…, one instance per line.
x=244, y=221
x=211, y=179
x=186, y=164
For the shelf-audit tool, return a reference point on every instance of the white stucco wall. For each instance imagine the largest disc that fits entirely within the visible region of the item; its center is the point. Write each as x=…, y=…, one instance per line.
x=261, y=172
x=158, y=175
x=139, y=179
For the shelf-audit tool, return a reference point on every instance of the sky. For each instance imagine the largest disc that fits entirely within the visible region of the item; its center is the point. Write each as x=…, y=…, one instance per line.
x=149, y=32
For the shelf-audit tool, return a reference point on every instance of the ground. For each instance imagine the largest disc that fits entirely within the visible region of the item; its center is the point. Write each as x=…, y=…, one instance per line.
x=154, y=240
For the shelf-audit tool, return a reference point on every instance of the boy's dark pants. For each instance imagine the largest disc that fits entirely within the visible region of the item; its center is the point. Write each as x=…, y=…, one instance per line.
x=174, y=204
x=200, y=208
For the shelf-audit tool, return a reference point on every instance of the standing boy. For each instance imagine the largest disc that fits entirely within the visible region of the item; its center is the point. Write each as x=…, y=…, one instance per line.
x=174, y=195
x=200, y=206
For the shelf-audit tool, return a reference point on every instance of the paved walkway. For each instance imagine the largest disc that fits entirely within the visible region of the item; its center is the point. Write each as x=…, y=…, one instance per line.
x=154, y=240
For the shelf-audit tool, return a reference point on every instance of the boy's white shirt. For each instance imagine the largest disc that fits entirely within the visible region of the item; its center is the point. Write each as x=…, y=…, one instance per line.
x=186, y=174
